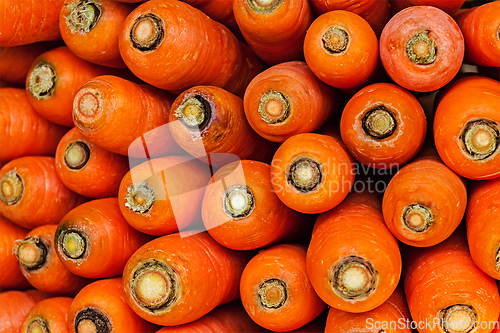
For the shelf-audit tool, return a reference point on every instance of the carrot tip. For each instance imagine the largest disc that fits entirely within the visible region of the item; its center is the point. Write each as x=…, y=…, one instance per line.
x=497, y=266
x=31, y=253
x=417, y=218
x=195, y=112
x=354, y=278
x=379, y=123
x=42, y=81
x=76, y=155
x=421, y=49
x=266, y=6
x=335, y=40
x=304, y=174
x=83, y=16
x=140, y=197
x=92, y=320
x=480, y=138
x=147, y=32
x=73, y=244
x=273, y=293
x=37, y=325
x=12, y=188
x=458, y=318
x=274, y=107
x=238, y=202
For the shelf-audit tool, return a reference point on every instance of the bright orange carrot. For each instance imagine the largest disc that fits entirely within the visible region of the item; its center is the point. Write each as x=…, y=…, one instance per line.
x=288, y=99
x=15, y=305
x=88, y=169
x=113, y=113
x=312, y=173
x=210, y=120
x=31, y=193
x=21, y=127
x=101, y=307
x=10, y=274
x=163, y=195
x=276, y=291
x=48, y=316
x=29, y=21
x=353, y=261
x=90, y=29
x=444, y=287
x=219, y=10
x=241, y=211
x=94, y=240
x=40, y=264
x=449, y=6
x=176, y=279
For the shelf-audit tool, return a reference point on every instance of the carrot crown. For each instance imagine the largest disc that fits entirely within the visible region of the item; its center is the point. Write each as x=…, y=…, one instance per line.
x=140, y=197
x=31, y=253
x=273, y=293
x=353, y=278
x=42, y=81
x=195, y=112
x=147, y=32
x=12, y=188
x=238, y=202
x=274, y=107
x=305, y=174
x=458, y=318
x=91, y=319
x=480, y=138
x=37, y=325
x=335, y=40
x=379, y=123
x=83, y=16
x=266, y=6
x=72, y=243
x=417, y=217
x=76, y=155
x=421, y=49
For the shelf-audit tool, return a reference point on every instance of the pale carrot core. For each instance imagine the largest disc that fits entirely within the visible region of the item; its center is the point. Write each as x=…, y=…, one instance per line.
x=83, y=16
x=88, y=104
x=304, y=174
x=353, y=277
x=266, y=6
x=86, y=326
x=273, y=293
x=417, y=218
x=92, y=320
x=194, y=112
x=458, y=318
x=335, y=39
x=42, y=81
x=497, y=266
x=140, y=197
x=481, y=138
x=274, y=107
x=76, y=155
x=238, y=202
x=37, y=325
x=31, y=253
x=147, y=32
x=421, y=49
x=73, y=244
x=379, y=123
x=12, y=188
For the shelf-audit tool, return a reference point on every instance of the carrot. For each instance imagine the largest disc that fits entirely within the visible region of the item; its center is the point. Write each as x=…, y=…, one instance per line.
x=48, y=316
x=163, y=195
x=375, y=12
x=208, y=120
x=392, y=316
x=219, y=10
x=116, y=114
x=288, y=99
x=449, y=6
x=93, y=240
x=32, y=194
x=21, y=127
x=90, y=29
x=10, y=274
x=101, y=307
x=480, y=27
x=15, y=305
x=274, y=43
x=176, y=279
x=312, y=173
x=173, y=46
x=241, y=211
x=483, y=226
x=424, y=202
x=446, y=289
x=421, y=48
x=383, y=126
x=88, y=169
x=276, y=291
x=41, y=266
x=353, y=261
x=29, y=21
x=230, y=317
x=467, y=128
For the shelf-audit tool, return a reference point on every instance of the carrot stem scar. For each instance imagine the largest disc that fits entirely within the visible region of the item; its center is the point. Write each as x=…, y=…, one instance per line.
x=274, y=107
x=421, y=49
x=37, y=325
x=265, y=6
x=417, y=217
x=379, y=123
x=480, y=138
x=195, y=112
x=458, y=318
x=140, y=197
x=353, y=278
x=92, y=320
x=73, y=244
x=147, y=32
x=31, y=253
x=83, y=16
x=238, y=202
x=42, y=81
x=76, y=155
x=304, y=174
x=273, y=293
x=12, y=188
x=335, y=40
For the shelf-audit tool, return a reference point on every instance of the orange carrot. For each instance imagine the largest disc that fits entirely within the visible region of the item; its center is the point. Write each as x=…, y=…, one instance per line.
x=40, y=264
x=10, y=274
x=288, y=99
x=88, y=169
x=207, y=120
x=219, y=10
x=176, y=279
x=32, y=194
x=15, y=305
x=353, y=261
x=276, y=291
x=21, y=127
x=163, y=195
x=241, y=211
x=467, y=128
x=93, y=240
x=48, y=316
x=160, y=43
x=312, y=173
x=90, y=29
x=101, y=307
x=449, y=6
x=444, y=287
x=483, y=226
x=29, y=21
x=116, y=114
x=383, y=126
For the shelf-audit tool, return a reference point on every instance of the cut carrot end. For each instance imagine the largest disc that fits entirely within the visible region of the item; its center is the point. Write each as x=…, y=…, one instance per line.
x=140, y=197
x=147, y=32
x=354, y=278
x=88, y=104
x=92, y=320
x=458, y=318
x=42, y=81
x=238, y=202
x=304, y=174
x=83, y=16
x=421, y=49
x=37, y=325
x=12, y=188
x=73, y=244
x=497, y=266
x=480, y=138
x=379, y=123
x=335, y=40
x=265, y=6
x=274, y=107
x=195, y=112
x=76, y=155
x=273, y=293
x=31, y=253
x=417, y=218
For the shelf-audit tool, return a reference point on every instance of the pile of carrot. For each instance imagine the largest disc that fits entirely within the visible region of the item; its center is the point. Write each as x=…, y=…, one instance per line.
x=249, y=166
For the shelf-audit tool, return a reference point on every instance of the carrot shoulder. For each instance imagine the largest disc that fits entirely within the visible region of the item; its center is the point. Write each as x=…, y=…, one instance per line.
x=15, y=305
x=11, y=276
x=49, y=315
x=449, y=6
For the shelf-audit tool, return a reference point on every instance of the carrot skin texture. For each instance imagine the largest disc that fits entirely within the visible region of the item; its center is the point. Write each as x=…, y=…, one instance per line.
x=449, y=6
x=22, y=127
x=14, y=305
x=219, y=10
x=10, y=274
x=52, y=311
